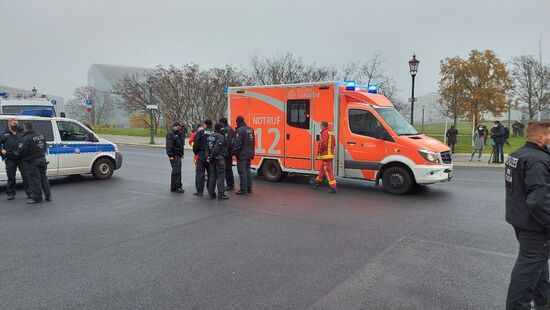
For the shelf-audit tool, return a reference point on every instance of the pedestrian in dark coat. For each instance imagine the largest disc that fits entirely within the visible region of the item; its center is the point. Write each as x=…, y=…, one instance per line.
x=229, y=136
x=498, y=134
x=216, y=151
x=175, y=142
x=244, y=151
x=452, y=134
x=527, y=186
x=9, y=142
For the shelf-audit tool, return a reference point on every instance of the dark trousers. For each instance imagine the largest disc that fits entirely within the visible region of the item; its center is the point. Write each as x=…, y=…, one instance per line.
x=175, y=178
x=216, y=177
x=11, y=169
x=452, y=145
x=38, y=181
x=245, y=176
x=499, y=153
x=200, y=170
x=229, y=178
x=529, y=280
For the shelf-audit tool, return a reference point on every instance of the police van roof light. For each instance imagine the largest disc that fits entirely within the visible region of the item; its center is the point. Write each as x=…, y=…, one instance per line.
x=37, y=112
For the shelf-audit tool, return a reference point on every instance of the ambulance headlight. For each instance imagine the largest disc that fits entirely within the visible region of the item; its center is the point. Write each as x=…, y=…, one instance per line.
x=429, y=156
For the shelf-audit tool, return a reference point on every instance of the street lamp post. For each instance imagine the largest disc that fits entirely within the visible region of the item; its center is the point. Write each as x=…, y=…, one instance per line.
x=422, y=119
x=413, y=68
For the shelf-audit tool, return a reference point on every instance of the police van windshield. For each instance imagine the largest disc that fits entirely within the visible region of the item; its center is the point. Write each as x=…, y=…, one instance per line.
x=16, y=109
x=396, y=121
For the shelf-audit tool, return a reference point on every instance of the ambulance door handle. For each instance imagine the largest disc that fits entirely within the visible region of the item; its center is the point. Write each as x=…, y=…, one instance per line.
x=351, y=142
x=288, y=136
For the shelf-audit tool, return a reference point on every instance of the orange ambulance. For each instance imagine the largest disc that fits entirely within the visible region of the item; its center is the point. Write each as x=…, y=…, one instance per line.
x=373, y=140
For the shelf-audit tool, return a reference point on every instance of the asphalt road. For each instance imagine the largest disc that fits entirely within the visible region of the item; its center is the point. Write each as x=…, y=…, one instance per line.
x=127, y=243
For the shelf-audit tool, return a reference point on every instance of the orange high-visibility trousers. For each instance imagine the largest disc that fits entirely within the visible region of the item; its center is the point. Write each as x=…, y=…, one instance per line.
x=327, y=172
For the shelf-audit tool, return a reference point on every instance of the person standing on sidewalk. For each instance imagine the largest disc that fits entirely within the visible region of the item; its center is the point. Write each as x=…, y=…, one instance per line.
x=479, y=142
x=9, y=142
x=452, y=134
x=244, y=151
x=527, y=179
x=325, y=152
x=229, y=135
x=175, y=142
x=498, y=134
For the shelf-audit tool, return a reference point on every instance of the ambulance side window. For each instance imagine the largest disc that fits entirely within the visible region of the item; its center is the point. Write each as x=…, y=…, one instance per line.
x=363, y=123
x=297, y=113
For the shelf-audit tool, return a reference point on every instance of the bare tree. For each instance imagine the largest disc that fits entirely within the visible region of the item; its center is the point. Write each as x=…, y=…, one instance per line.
x=530, y=84
x=136, y=95
x=103, y=103
x=287, y=69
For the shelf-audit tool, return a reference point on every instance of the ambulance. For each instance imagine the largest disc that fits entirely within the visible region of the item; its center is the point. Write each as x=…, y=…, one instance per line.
x=374, y=141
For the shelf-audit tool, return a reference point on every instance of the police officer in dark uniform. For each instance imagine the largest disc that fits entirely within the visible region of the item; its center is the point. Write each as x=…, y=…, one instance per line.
x=9, y=142
x=527, y=179
x=199, y=148
x=32, y=148
x=216, y=150
x=175, y=142
x=229, y=135
x=244, y=151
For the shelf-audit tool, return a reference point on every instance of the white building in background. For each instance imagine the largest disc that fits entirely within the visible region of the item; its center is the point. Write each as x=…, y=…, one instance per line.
x=104, y=77
x=432, y=113
x=13, y=91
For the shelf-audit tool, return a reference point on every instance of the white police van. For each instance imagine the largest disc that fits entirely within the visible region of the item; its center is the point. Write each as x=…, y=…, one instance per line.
x=72, y=148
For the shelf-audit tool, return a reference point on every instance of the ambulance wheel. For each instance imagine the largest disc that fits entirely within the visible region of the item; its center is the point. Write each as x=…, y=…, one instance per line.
x=397, y=180
x=271, y=171
x=103, y=169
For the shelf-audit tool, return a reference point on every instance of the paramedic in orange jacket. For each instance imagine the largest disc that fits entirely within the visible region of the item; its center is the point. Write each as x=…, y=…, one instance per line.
x=326, y=154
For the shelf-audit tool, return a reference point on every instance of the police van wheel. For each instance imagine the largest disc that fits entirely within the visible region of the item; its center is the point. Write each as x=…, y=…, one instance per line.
x=103, y=169
x=271, y=171
x=397, y=180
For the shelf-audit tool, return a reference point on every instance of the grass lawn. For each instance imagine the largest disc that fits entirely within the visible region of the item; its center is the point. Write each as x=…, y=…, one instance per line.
x=135, y=132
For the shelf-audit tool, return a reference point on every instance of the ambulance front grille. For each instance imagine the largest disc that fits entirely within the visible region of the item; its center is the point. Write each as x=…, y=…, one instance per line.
x=447, y=157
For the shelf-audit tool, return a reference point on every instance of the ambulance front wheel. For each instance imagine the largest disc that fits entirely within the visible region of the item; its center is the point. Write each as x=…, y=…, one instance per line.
x=103, y=169
x=271, y=171
x=397, y=180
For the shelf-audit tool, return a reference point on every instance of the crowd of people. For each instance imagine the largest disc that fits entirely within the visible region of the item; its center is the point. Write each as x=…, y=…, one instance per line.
x=214, y=146
x=498, y=136
x=25, y=149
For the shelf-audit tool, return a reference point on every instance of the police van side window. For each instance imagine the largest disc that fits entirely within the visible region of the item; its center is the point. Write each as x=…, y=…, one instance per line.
x=69, y=131
x=363, y=123
x=3, y=124
x=45, y=128
x=297, y=113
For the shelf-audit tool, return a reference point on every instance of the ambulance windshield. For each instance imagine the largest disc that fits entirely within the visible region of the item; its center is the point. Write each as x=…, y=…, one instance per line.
x=396, y=121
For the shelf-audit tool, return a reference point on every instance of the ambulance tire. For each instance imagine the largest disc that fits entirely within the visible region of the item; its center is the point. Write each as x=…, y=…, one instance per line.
x=271, y=171
x=397, y=180
x=103, y=168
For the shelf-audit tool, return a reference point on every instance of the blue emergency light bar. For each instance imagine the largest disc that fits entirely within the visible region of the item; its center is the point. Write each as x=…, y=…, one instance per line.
x=350, y=85
x=37, y=112
x=373, y=89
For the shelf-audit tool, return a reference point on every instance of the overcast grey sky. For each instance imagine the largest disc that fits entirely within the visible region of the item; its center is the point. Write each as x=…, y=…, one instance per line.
x=51, y=44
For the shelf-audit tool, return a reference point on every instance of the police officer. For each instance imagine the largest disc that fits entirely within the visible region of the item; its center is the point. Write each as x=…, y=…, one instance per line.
x=229, y=135
x=175, y=142
x=32, y=148
x=9, y=142
x=199, y=148
x=216, y=151
x=244, y=151
x=527, y=179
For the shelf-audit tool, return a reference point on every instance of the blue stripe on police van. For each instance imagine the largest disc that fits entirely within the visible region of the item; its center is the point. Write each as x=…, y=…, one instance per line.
x=57, y=148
